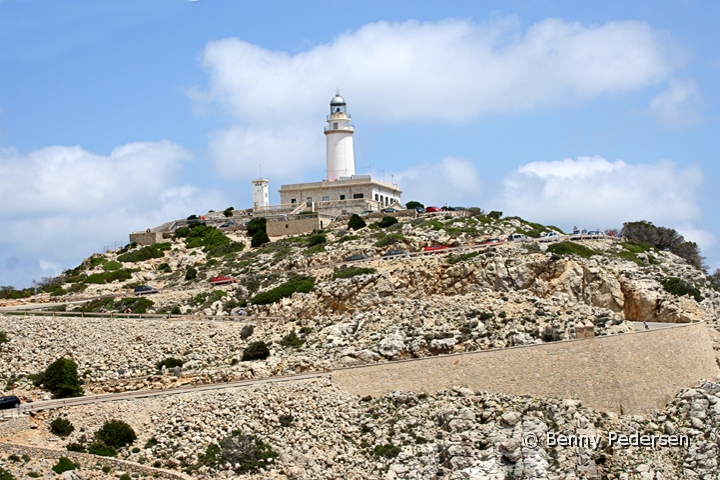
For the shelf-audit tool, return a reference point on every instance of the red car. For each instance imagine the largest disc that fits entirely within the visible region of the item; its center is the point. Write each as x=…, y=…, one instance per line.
x=221, y=280
x=434, y=248
x=432, y=209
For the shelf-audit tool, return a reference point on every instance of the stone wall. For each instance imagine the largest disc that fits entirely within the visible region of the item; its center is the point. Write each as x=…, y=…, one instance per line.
x=293, y=226
x=146, y=238
x=87, y=461
x=631, y=373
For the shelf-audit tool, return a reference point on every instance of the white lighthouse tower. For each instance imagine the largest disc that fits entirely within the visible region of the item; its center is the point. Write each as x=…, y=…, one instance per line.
x=260, y=193
x=339, y=135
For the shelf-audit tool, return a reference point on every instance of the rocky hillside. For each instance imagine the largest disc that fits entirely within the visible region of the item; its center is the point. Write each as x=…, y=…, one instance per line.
x=315, y=311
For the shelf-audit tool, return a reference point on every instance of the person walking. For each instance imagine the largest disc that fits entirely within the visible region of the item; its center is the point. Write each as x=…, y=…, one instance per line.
x=647, y=327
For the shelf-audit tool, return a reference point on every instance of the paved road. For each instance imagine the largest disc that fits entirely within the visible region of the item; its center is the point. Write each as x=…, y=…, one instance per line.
x=37, y=306
x=653, y=325
x=111, y=397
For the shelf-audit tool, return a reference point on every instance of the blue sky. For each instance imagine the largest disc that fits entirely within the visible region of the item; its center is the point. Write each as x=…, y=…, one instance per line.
x=119, y=115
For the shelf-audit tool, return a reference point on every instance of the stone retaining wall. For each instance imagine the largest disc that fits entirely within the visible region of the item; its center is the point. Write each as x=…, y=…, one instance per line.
x=632, y=373
x=88, y=461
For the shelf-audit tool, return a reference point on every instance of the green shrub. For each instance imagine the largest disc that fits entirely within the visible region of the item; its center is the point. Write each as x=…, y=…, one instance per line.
x=453, y=259
x=228, y=212
x=291, y=340
x=3, y=337
x=33, y=474
x=256, y=225
x=5, y=475
x=61, y=378
x=125, y=476
x=571, y=248
x=356, y=222
x=260, y=238
x=348, y=272
x=387, y=221
x=141, y=255
x=550, y=334
x=99, y=448
x=413, y=204
x=136, y=304
x=190, y=273
x=64, y=464
x=164, y=268
x=169, y=363
x=255, y=351
x=14, y=458
x=226, y=249
x=317, y=239
x=680, y=287
x=136, y=450
x=75, y=447
x=388, y=450
x=495, y=215
x=302, y=285
x=61, y=427
x=108, y=277
x=116, y=434
x=112, y=265
x=389, y=239
x=246, y=453
x=175, y=310
x=106, y=469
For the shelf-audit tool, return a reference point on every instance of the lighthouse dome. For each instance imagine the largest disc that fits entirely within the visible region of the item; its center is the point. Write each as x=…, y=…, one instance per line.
x=337, y=100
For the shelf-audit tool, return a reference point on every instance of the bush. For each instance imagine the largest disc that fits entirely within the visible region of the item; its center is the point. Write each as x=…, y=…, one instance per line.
x=228, y=212
x=317, y=239
x=255, y=351
x=389, y=239
x=106, y=469
x=64, y=464
x=247, y=331
x=680, y=287
x=61, y=378
x=567, y=248
x=108, y=277
x=111, y=266
x=550, y=334
x=144, y=253
x=388, y=450
x=3, y=337
x=260, y=238
x=411, y=205
x=169, y=363
x=387, y=221
x=246, y=453
x=302, y=285
x=226, y=249
x=116, y=434
x=256, y=225
x=352, y=271
x=75, y=447
x=164, y=268
x=356, y=222
x=95, y=261
x=99, y=448
x=136, y=304
x=61, y=427
x=5, y=475
x=190, y=273
x=291, y=340
x=495, y=215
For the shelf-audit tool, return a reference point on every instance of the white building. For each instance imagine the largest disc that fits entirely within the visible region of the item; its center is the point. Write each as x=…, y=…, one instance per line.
x=260, y=193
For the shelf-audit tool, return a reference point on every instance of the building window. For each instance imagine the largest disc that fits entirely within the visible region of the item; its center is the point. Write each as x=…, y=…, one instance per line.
x=358, y=195
x=342, y=197
x=326, y=199
x=376, y=197
x=293, y=200
x=335, y=126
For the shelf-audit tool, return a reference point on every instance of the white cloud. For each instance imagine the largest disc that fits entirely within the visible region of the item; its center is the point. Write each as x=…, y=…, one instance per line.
x=453, y=181
x=61, y=203
x=451, y=70
x=677, y=105
x=592, y=192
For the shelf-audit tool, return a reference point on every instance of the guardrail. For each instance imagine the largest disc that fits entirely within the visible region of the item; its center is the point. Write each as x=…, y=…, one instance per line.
x=164, y=316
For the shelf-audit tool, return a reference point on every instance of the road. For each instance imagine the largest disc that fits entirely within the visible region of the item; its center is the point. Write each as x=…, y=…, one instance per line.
x=112, y=397
x=653, y=325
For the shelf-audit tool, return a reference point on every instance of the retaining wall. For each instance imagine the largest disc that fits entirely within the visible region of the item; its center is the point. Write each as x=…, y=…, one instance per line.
x=632, y=373
x=88, y=461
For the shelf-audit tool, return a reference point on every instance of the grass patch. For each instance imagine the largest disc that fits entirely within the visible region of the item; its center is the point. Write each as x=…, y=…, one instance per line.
x=348, y=272
x=302, y=285
x=571, y=248
x=112, y=266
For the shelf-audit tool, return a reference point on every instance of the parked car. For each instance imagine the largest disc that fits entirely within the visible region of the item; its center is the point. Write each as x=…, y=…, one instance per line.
x=595, y=234
x=145, y=290
x=518, y=237
x=389, y=210
x=226, y=225
x=8, y=402
x=549, y=237
x=420, y=209
x=435, y=248
x=448, y=209
x=394, y=253
x=356, y=257
x=493, y=241
x=365, y=213
x=432, y=209
x=222, y=280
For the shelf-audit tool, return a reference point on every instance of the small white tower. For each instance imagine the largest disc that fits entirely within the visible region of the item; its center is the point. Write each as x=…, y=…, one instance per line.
x=339, y=134
x=260, y=193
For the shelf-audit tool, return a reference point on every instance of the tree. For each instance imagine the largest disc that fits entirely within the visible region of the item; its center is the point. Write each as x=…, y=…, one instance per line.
x=256, y=225
x=61, y=378
x=356, y=223
x=228, y=212
x=664, y=239
x=387, y=221
x=61, y=427
x=413, y=205
x=260, y=238
x=116, y=434
x=255, y=351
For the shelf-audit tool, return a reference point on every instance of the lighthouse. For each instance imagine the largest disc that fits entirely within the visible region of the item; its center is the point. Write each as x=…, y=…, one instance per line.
x=339, y=136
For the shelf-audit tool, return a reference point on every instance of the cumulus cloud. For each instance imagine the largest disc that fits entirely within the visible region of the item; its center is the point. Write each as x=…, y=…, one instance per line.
x=677, y=105
x=62, y=203
x=451, y=70
x=452, y=181
x=592, y=192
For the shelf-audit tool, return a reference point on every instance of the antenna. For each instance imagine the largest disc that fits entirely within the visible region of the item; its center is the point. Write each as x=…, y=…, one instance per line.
x=261, y=170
